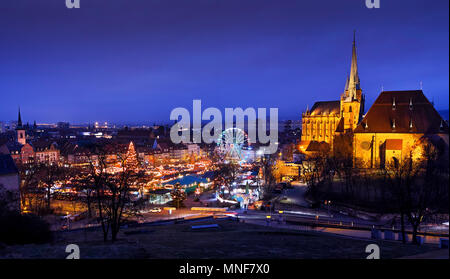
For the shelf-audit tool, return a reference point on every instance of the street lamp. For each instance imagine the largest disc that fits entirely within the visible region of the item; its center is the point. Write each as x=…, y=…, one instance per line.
x=68, y=220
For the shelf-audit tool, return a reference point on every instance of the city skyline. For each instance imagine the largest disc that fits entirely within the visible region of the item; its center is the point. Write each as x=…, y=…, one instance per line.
x=139, y=60
x=235, y=137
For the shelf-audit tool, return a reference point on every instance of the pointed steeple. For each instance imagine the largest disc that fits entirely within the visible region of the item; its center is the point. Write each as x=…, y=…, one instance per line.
x=346, y=83
x=19, y=121
x=20, y=130
x=353, y=80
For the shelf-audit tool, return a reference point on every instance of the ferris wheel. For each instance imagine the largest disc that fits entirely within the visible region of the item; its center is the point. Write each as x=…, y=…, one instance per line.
x=231, y=143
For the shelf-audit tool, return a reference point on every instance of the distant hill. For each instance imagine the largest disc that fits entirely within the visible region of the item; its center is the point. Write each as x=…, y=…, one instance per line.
x=444, y=113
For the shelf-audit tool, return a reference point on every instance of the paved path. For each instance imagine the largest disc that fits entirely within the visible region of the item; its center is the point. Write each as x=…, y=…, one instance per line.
x=295, y=195
x=439, y=254
x=354, y=233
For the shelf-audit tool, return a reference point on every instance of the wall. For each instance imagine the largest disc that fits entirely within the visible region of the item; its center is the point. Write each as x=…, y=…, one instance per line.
x=370, y=157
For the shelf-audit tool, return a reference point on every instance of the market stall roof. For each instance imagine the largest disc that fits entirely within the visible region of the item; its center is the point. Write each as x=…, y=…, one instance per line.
x=159, y=191
x=187, y=180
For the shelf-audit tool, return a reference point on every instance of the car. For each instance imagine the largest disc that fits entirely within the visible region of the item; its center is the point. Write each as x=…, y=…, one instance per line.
x=155, y=210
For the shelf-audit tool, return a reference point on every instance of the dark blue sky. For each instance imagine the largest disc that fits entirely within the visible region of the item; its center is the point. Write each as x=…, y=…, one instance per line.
x=136, y=60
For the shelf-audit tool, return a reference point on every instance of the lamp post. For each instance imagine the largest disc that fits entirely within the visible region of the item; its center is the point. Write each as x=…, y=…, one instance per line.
x=329, y=202
x=68, y=220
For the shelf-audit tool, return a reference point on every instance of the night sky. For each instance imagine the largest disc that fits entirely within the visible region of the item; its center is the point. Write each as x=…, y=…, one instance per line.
x=135, y=60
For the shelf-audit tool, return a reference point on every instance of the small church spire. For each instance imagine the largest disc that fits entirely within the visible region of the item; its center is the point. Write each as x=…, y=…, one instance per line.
x=21, y=135
x=19, y=120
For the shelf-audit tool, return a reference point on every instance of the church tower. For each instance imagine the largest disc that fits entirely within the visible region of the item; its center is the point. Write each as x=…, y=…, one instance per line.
x=21, y=135
x=352, y=100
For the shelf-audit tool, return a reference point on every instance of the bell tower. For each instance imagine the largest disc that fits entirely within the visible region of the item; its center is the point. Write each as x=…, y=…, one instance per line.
x=21, y=135
x=352, y=100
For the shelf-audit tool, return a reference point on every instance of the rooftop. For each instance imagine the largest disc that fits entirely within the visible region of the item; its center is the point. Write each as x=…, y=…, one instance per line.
x=402, y=112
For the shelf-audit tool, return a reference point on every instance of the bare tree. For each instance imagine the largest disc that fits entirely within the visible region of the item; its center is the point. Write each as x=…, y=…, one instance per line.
x=226, y=174
x=401, y=176
x=82, y=181
x=267, y=165
x=48, y=174
x=419, y=187
x=28, y=183
x=112, y=187
x=119, y=189
x=316, y=171
x=343, y=161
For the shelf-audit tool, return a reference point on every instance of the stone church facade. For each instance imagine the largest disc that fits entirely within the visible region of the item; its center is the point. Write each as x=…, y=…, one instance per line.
x=397, y=125
x=326, y=119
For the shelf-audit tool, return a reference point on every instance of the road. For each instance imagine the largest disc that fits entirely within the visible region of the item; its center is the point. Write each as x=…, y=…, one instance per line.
x=302, y=217
x=306, y=218
x=296, y=195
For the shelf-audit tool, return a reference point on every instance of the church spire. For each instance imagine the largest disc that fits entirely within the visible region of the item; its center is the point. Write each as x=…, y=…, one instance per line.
x=353, y=80
x=20, y=130
x=19, y=120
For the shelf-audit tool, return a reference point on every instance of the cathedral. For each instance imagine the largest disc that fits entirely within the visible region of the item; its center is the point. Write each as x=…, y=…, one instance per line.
x=326, y=119
x=397, y=125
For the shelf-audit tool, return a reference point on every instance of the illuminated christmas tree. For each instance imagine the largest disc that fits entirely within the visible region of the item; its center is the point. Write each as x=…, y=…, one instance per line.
x=131, y=161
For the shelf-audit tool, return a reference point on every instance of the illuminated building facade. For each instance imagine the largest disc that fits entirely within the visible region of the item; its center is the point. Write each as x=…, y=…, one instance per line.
x=329, y=118
x=397, y=125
